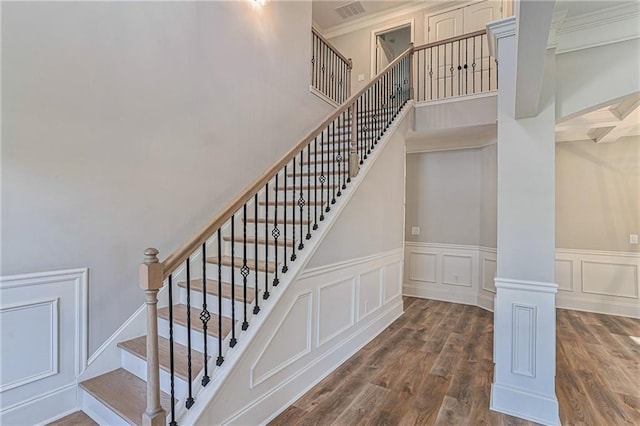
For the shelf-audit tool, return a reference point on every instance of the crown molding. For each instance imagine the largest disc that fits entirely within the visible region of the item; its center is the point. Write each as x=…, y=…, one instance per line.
x=500, y=29
x=606, y=26
x=387, y=15
x=556, y=23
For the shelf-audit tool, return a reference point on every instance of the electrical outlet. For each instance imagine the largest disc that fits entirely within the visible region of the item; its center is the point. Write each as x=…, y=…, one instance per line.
x=633, y=238
x=415, y=230
x=360, y=77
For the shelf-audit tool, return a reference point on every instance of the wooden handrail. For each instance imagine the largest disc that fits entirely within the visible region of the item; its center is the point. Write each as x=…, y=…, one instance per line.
x=450, y=40
x=332, y=47
x=182, y=252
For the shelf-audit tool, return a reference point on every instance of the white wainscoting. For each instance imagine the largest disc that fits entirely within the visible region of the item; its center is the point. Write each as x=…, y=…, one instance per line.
x=43, y=318
x=598, y=281
x=588, y=280
x=323, y=318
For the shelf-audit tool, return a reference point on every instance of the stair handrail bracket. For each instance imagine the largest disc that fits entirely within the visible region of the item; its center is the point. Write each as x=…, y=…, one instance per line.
x=234, y=262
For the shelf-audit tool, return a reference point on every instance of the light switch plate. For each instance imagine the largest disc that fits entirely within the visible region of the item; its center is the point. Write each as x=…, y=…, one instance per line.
x=633, y=238
x=360, y=77
x=415, y=230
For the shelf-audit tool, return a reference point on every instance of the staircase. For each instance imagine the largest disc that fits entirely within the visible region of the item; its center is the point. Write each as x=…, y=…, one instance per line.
x=203, y=298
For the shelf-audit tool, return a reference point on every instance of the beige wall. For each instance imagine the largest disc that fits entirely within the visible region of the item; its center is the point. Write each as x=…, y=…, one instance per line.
x=372, y=222
x=128, y=124
x=445, y=197
x=598, y=195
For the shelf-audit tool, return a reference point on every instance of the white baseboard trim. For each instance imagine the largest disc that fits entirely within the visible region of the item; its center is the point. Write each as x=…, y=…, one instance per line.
x=323, y=97
x=452, y=295
x=536, y=408
x=44, y=408
x=631, y=310
x=485, y=302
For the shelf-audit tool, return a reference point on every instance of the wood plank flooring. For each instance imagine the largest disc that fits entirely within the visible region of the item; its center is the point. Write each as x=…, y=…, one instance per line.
x=79, y=418
x=433, y=366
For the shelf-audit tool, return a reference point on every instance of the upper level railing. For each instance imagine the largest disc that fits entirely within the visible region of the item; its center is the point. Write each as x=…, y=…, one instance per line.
x=330, y=70
x=456, y=66
x=246, y=248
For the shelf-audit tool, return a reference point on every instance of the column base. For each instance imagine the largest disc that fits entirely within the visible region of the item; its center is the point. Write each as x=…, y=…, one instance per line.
x=524, y=404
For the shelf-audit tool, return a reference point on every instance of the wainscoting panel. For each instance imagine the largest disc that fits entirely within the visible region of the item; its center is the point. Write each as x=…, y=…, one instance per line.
x=442, y=271
x=588, y=280
x=43, y=319
x=524, y=340
x=339, y=307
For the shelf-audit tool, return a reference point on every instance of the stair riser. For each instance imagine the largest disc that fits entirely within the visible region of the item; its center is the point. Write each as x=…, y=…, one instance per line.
x=290, y=230
x=212, y=301
x=197, y=343
x=290, y=211
x=98, y=411
x=138, y=367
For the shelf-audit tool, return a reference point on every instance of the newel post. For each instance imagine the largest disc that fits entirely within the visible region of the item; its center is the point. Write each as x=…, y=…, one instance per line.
x=151, y=281
x=354, y=164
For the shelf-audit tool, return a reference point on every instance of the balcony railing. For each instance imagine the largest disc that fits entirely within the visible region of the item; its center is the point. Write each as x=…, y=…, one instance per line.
x=330, y=70
x=456, y=66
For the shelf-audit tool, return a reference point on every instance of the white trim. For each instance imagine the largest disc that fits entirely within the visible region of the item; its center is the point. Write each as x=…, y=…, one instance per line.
x=47, y=405
x=496, y=30
x=388, y=28
x=325, y=269
x=54, y=338
x=492, y=93
x=526, y=285
x=352, y=321
x=598, y=253
x=534, y=406
x=324, y=97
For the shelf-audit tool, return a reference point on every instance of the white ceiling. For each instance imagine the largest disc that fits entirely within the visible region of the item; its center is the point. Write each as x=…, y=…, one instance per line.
x=580, y=7
x=603, y=125
x=325, y=16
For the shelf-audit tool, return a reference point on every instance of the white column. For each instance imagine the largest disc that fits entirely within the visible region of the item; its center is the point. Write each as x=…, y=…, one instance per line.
x=524, y=321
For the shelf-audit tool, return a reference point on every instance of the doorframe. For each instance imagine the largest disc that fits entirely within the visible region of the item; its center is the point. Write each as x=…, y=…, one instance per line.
x=411, y=23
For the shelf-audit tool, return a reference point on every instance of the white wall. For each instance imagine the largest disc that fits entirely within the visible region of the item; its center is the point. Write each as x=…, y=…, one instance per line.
x=128, y=125
x=598, y=195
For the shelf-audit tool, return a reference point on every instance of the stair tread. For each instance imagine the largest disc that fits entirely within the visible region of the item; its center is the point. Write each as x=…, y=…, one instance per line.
x=305, y=187
x=123, y=393
x=138, y=347
x=212, y=288
x=79, y=418
x=180, y=317
x=237, y=262
x=261, y=240
x=280, y=220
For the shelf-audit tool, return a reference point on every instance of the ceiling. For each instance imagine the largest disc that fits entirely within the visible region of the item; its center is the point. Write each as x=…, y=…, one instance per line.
x=325, y=15
x=580, y=7
x=603, y=125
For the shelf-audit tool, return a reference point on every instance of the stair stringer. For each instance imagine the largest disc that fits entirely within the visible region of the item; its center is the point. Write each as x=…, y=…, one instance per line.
x=207, y=409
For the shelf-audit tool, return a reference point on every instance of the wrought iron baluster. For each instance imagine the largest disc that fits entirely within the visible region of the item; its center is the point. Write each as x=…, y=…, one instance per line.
x=315, y=181
x=322, y=176
x=256, y=286
x=337, y=155
x=205, y=316
x=189, y=401
x=266, y=293
x=172, y=371
x=293, y=210
x=301, y=203
x=481, y=63
x=285, y=268
x=489, y=66
x=220, y=359
x=244, y=271
x=308, y=236
x=275, y=233
x=473, y=65
x=233, y=340
x=332, y=170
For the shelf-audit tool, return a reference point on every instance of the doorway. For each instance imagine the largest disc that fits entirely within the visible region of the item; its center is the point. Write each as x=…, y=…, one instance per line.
x=388, y=44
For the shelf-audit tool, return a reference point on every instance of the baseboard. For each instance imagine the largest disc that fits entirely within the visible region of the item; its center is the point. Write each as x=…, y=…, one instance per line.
x=324, y=97
x=42, y=409
x=445, y=295
x=485, y=301
x=536, y=408
x=631, y=310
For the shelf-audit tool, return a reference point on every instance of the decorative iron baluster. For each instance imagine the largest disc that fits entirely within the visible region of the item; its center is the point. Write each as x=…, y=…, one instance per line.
x=172, y=371
x=308, y=236
x=301, y=203
x=315, y=182
x=205, y=316
x=244, y=271
x=220, y=359
x=266, y=293
x=233, y=340
x=256, y=286
x=322, y=176
x=275, y=233
x=189, y=401
x=285, y=268
x=473, y=64
x=337, y=155
x=332, y=170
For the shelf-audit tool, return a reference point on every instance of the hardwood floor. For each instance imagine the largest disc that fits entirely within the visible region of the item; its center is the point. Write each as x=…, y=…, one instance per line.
x=434, y=366
x=78, y=418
